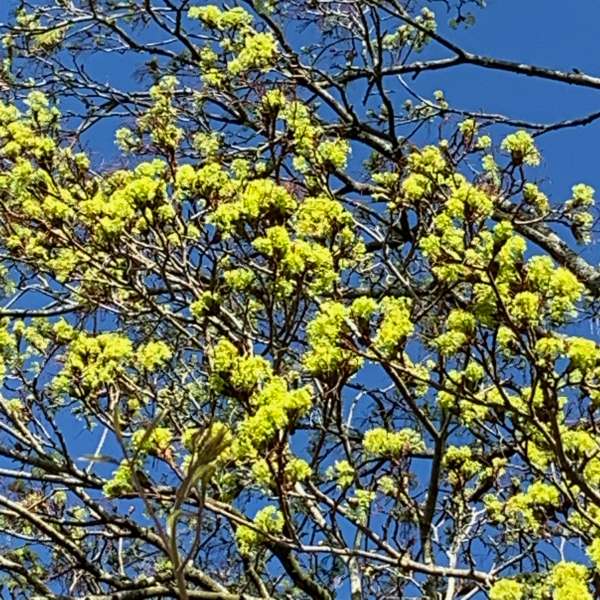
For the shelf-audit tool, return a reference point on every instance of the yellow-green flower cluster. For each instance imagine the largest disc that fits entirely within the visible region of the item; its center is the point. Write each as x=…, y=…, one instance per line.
x=522, y=149
x=428, y=171
x=27, y=135
x=460, y=465
x=507, y=589
x=460, y=327
x=524, y=308
x=393, y=444
x=454, y=254
x=214, y=17
x=445, y=249
x=396, y=325
x=582, y=196
x=593, y=551
x=121, y=481
x=129, y=199
x=295, y=469
x=272, y=405
x=536, y=198
x=205, y=304
x=268, y=521
x=532, y=507
x=577, y=208
x=160, y=121
x=96, y=360
x=334, y=152
x=258, y=199
x=259, y=51
x=323, y=217
x=306, y=133
x=548, y=349
x=152, y=355
x=7, y=349
x=207, y=144
x=343, y=472
x=237, y=373
x=568, y=580
x=468, y=202
x=297, y=260
x=206, y=182
x=469, y=128
x=154, y=441
x=360, y=505
x=583, y=353
x=251, y=50
x=363, y=308
x=93, y=361
x=326, y=357
x=239, y=279
x=273, y=101
x=304, y=244
x=65, y=263
x=276, y=408
x=313, y=151
x=560, y=289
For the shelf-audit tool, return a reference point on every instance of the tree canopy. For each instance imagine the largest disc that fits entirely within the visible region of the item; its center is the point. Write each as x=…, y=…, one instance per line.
x=302, y=332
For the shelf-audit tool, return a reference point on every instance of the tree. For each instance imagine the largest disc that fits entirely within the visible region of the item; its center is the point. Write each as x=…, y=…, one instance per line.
x=282, y=344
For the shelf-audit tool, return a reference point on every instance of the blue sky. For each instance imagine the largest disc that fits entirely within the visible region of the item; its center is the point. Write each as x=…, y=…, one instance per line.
x=545, y=32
